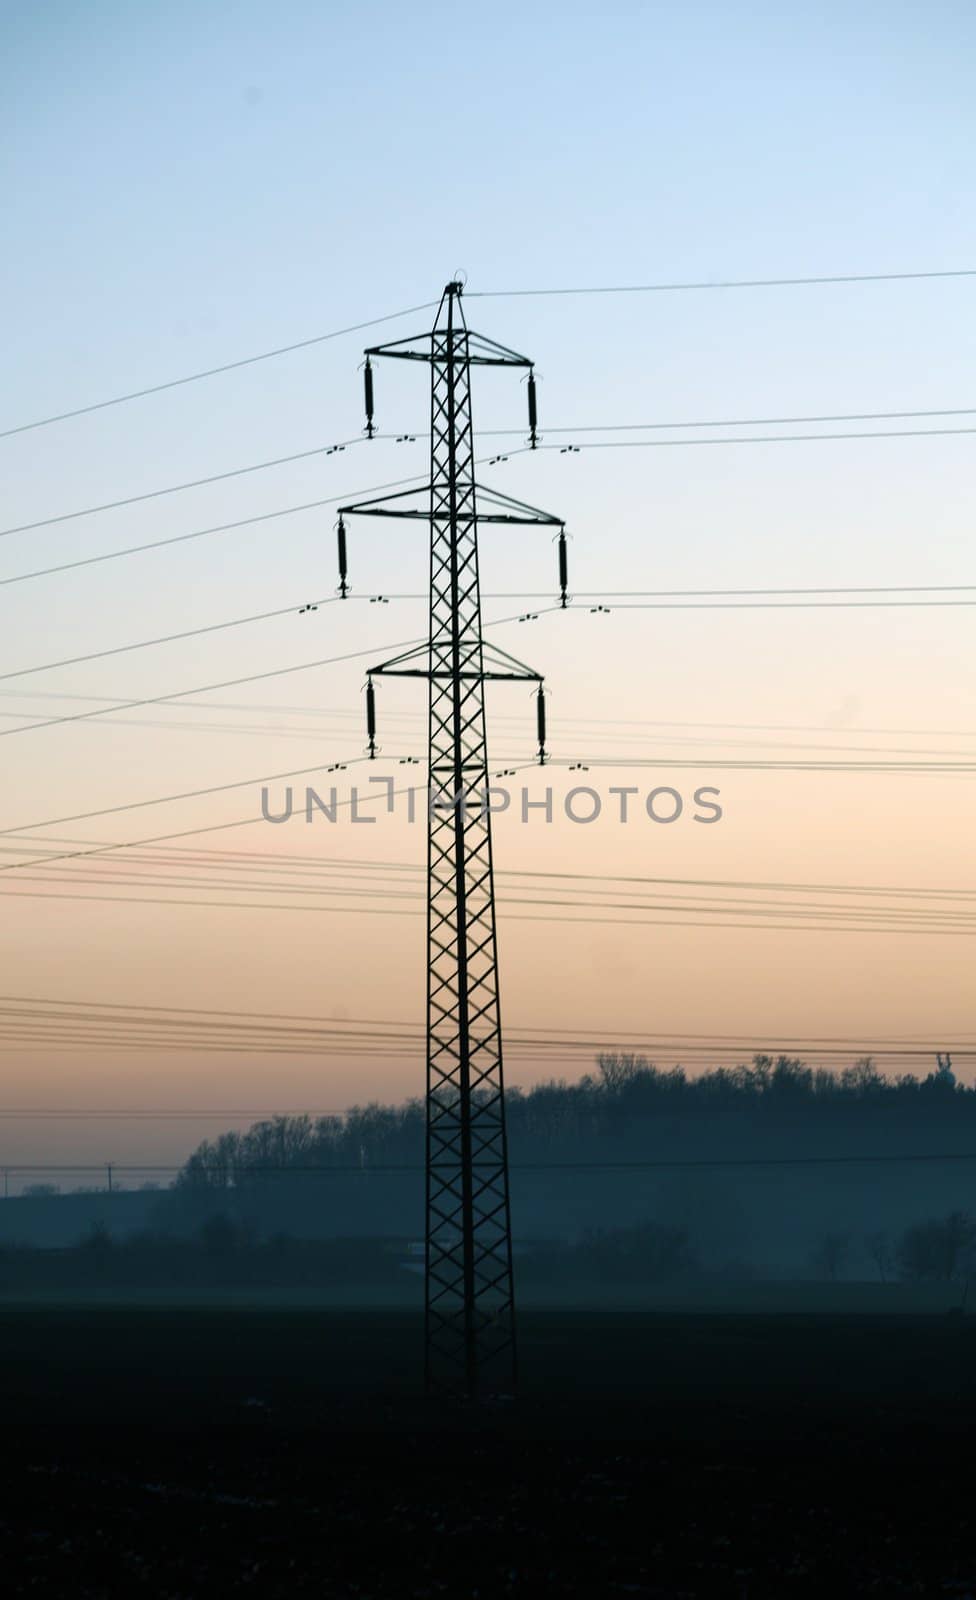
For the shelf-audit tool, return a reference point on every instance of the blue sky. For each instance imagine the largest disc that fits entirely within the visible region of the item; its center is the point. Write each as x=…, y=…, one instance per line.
x=188, y=184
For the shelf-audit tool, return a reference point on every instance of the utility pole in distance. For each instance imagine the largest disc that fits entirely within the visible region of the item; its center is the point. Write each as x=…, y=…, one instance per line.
x=470, y=1305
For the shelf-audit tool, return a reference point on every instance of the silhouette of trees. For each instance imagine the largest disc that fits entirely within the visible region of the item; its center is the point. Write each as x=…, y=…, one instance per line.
x=646, y=1110
x=620, y=1072
x=938, y=1250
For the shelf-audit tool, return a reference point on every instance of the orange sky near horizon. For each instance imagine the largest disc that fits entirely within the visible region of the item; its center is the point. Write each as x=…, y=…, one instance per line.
x=828, y=909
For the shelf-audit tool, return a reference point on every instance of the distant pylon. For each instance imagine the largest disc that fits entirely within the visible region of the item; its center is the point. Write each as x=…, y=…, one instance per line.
x=470, y=1304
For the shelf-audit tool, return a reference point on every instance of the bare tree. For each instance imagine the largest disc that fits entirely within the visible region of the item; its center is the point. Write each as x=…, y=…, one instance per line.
x=616, y=1071
x=939, y=1249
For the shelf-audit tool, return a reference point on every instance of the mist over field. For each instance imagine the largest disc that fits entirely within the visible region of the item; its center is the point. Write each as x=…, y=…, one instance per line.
x=632, y=1185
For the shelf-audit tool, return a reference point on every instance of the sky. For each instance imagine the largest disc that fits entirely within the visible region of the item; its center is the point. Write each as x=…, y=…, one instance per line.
x=186, y=186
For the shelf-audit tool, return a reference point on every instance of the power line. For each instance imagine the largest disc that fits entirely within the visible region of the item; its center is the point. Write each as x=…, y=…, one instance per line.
x=604, y=594
x=621, y=604
x=567, y=730
x=274, y=860
x=623, y=594
x=766, y=438
x=153, y=700
x=682, y=1054
x=162, y=838
x=693, y=1056
x=112, y=1114
x=234, y=1016
x=197, y=533
x=113, y=1029
x=827, y=925
x=195, y=1029
x=188, y=794
x=337, y=333
x=168, y=638
x=664, y=763
x=774, y=605
x=866, y=588
x=603, y=444
x=909, y=920
x=311, y=868
x=830, y=921
x=155, y=839
x=212, y=372
x=739, y=422
x=134, y=844
x=915, y=916
x=175, y=1022
x=703, y=743
x=68, y=855
x=727, y=283
x=129, y=1021
x=564, y=724
x=758, y=764
x=761, y=727
x=183, y=538
x=747, y=883
x=951, y=915
x=330, y=500
x=176, y=725
x=329, y=874
x=350, y=1053
x=178, y=488
x=254, y=677
x=399, y=1024
x=247, y=1170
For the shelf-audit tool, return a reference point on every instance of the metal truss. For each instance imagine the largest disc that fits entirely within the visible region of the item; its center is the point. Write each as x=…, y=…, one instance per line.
x=470, y=1304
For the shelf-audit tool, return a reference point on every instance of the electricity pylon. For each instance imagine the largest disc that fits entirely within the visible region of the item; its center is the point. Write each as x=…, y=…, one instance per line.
x=470, y=1306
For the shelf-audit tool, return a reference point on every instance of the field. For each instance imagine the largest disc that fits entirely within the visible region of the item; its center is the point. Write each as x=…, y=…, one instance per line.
x=182, y=1450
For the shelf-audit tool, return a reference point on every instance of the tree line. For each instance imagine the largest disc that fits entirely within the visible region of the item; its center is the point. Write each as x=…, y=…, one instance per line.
x=627, y=1101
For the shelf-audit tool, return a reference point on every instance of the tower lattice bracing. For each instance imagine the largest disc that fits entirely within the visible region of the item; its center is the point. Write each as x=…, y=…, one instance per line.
x=470, y=1295
x=470, y=1309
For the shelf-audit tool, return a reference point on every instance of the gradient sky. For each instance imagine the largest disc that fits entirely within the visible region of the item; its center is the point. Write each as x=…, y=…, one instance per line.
x=186, y=185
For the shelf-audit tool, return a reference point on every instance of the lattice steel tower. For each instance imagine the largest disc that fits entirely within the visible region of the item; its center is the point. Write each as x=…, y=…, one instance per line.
x=470, y=1307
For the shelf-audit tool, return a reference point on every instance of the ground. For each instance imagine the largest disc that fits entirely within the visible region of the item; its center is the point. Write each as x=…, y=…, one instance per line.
x=187, y=1451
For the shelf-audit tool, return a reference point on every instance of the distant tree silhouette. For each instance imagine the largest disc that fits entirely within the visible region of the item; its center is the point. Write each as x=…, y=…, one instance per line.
x=632, y=1101
x=938, y=1249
